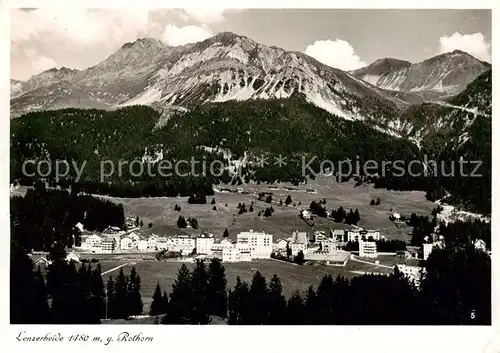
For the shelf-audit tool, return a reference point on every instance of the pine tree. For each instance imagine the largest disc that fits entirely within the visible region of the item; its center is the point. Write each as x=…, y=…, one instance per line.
x=83, y=281
x=22, y=288
x=277, y=302
x=120, y=304
x=238, y=304
x=62, y=283
x=356, y=217
x=312, y=306
x=134, y=294
x=350, y=217
x=97, y=285
x=110, y=311
x=181, y=222
x=213, y=202
x=97, y=289
x=164, y=303
x=193, y=222
x=157, y=303
x=288, y=200
x=180, y=303
x=324, y=295
x=295, y=310
x=226, y=234
x=250, y=208
x=217, y=292
x=41, y=313
x=299, y=259
x=259, y=300
x=199, y=290
x=57, y=252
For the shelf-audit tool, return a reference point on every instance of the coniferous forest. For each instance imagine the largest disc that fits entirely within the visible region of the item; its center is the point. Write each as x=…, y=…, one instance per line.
x=45, y=216
x=292, y=128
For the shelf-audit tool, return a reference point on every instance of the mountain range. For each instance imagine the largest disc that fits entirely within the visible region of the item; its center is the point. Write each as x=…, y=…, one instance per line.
x=435, y=78
x=232, y=67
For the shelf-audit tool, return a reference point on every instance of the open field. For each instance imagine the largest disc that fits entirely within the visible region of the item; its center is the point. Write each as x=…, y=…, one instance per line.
x=160, y=211
x=292, y=277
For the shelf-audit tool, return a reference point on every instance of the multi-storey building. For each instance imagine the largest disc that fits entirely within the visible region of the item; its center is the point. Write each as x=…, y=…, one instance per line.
x=260, y=244
x=92, y=242
x=367, y=249
x=338, y=234
x=204, y=244
x=108, y=246
x=126, y=244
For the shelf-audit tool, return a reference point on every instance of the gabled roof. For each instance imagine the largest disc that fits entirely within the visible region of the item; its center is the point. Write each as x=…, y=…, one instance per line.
x=37, y=259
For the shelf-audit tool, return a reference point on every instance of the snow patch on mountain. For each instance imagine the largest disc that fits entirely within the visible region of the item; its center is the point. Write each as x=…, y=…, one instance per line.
x=150, y=96
x=330, y=106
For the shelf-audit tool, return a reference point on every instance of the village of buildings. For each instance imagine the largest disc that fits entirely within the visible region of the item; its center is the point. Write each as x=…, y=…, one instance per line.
x=316, y=246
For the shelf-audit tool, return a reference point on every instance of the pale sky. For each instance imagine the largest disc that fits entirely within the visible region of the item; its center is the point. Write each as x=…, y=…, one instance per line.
x=345, y=39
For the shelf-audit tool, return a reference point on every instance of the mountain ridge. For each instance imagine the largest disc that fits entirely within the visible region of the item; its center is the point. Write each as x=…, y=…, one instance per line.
x=434, y=78
x=229, y=67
